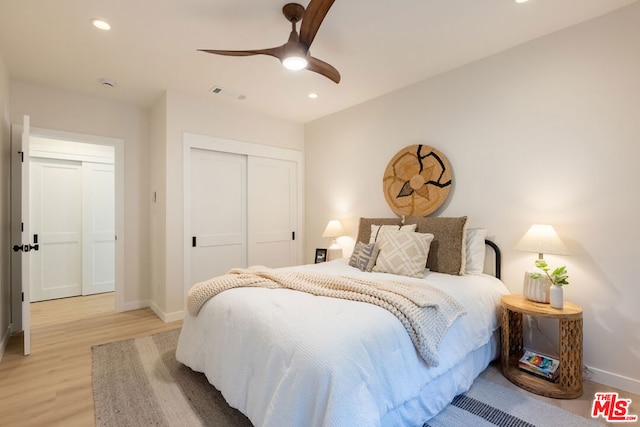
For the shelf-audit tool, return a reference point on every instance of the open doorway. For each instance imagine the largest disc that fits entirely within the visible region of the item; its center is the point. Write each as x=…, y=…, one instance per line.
x=76, y=214
x=72, y=218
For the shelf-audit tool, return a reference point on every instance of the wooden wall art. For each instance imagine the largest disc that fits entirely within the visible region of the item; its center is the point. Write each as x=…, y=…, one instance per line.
x=417, y=181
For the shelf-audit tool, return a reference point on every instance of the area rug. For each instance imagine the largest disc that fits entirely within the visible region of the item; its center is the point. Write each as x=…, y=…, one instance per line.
x=138, y=382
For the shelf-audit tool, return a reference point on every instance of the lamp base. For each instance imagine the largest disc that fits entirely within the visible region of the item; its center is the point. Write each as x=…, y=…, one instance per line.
x=334, y=252
x=536, y=290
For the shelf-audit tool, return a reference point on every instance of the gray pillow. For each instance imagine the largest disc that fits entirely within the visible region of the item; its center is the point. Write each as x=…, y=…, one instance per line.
x=364, y=256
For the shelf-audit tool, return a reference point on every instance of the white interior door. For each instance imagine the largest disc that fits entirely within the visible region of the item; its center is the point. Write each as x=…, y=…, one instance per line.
x=218, y=204
x=272, y=212
x=98, y=228
x=56, y=218
x=20, y=237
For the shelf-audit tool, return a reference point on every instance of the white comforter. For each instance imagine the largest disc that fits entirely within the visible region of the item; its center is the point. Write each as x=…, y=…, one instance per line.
x=286, y=358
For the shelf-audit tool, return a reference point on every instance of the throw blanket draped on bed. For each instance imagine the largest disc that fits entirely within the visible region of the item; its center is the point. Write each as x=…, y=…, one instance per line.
x=425, y=311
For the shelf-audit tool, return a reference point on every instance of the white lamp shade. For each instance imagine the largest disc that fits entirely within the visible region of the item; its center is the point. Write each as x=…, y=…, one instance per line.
x=333, y=229
x=542, y=239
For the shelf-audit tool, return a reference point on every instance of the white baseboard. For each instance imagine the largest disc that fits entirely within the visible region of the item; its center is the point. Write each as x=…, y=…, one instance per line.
x=136, y=305
x=166, y=317
x=610, y=379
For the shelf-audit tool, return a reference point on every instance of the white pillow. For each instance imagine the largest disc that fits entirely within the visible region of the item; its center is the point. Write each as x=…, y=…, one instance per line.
x=376, y=230
x=403, y=252
x=475, y=250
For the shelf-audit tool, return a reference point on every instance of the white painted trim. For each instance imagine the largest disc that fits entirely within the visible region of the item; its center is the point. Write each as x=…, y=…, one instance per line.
x=136, y=305
x=54, y=148
x=67, y=156
x=166, y=317
x=118, y=145
x=212, y=143
x=610, y=379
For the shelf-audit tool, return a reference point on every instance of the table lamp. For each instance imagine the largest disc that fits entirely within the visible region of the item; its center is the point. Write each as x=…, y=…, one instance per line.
x=334, y=230
x=540, y=239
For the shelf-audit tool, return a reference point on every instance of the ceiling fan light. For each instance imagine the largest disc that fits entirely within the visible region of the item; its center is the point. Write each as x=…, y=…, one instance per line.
x=294, y=63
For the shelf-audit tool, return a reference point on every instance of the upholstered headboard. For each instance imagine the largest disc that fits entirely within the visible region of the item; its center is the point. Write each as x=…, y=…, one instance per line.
x=447, y=253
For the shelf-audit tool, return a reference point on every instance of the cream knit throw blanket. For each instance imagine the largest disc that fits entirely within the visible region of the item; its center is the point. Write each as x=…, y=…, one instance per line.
x=425, y=311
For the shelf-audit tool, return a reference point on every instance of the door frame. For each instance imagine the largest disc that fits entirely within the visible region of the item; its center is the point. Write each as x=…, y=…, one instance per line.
x=118, y=164
x=212, y=143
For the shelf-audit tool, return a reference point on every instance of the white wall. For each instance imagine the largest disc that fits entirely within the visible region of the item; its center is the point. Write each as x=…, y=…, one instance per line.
x=64, y=111
x=153, y=165
x=158, y=190
x=207, y=117
x=546, y=132
x=5, y=179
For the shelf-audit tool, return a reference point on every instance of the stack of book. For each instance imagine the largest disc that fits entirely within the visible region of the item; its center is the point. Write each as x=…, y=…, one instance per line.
x=539, y=365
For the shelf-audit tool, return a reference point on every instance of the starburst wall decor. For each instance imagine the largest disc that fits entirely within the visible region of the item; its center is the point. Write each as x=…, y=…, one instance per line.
x=417, y=181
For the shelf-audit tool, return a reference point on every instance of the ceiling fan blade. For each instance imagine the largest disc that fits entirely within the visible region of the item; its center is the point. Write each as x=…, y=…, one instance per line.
x=276, y=52
x=313, y=16
x=321, y=67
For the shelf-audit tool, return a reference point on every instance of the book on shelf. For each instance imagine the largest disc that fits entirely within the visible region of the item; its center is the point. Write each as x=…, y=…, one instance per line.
x=539, y=364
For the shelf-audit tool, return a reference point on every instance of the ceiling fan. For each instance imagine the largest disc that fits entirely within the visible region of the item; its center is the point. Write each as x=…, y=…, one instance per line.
x=294, y=54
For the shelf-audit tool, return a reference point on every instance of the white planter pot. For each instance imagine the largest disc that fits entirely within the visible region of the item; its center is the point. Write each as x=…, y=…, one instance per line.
x=556, y=296
x=536, y=289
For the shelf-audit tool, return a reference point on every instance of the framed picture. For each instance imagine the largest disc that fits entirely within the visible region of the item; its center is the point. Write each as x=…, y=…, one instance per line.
x=321, y=255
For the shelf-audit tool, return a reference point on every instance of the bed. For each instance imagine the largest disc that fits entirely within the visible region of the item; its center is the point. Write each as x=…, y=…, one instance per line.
x=290, y=358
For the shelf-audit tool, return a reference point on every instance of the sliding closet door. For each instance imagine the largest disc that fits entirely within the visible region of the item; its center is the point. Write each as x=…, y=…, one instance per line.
x=56, y=218
x=218, y=183
x=98, y=228
x=272, y=212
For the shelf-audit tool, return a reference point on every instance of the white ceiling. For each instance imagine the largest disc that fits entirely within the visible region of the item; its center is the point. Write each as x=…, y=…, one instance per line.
x=377, y=45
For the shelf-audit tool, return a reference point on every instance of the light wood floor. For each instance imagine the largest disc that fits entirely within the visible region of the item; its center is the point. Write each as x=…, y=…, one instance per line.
x=52, y=386
x=580, y=406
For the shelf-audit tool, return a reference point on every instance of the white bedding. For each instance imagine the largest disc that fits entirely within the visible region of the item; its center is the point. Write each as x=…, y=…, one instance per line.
x=286, y=358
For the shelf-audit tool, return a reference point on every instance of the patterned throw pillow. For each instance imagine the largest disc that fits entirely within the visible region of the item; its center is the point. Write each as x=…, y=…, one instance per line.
x=376, y=230
x=364, y=228
x=364, y=256
x=403, y=252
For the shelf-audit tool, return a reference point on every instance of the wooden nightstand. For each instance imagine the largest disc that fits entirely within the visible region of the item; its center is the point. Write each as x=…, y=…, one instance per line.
x=569, y=384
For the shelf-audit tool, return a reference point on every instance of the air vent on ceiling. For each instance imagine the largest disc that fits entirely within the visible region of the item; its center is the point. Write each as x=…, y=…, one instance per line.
x=218, y=90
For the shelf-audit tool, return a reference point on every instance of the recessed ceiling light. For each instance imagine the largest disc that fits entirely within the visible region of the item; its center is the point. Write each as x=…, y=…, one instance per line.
x=100, y=24
x=313, y=95
x=521, y=1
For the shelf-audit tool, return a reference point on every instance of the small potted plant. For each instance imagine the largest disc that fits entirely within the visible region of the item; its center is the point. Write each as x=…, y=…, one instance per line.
x=558, y=278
